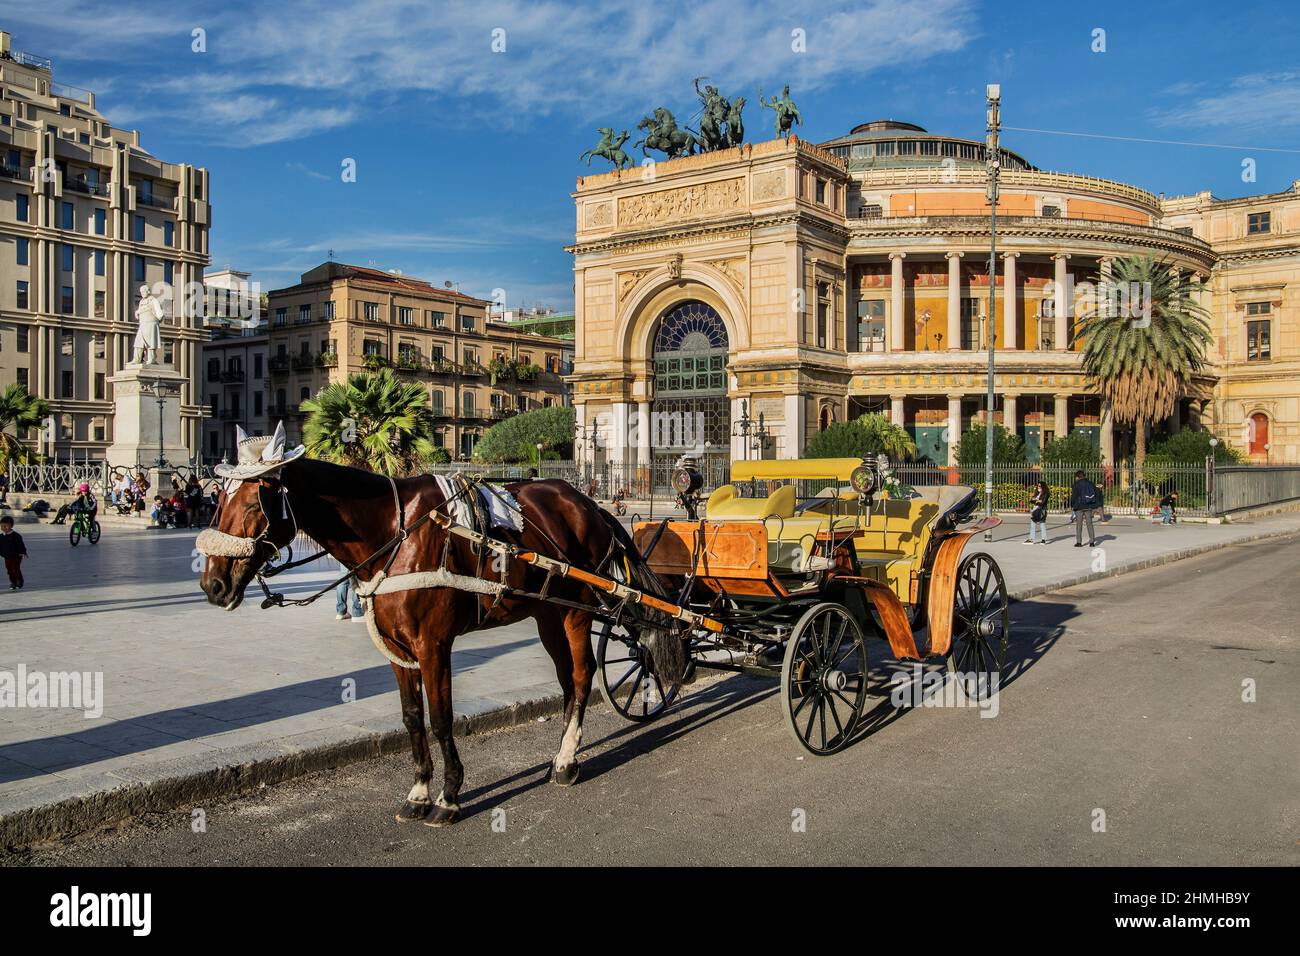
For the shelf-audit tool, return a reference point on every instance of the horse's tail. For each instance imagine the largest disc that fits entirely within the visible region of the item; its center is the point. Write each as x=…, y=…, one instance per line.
x=659, y=633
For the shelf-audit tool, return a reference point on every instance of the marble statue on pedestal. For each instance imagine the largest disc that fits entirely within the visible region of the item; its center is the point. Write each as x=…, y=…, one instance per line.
x=148, y=335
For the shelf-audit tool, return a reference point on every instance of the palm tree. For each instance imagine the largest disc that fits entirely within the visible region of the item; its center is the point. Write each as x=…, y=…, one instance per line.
x=374, y=421
x=24, y=411
x=1139, y=367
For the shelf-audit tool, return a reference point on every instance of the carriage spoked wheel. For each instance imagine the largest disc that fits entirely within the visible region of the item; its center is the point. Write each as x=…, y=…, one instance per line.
x=981, y=623
x=627, y=674
x=824, y=678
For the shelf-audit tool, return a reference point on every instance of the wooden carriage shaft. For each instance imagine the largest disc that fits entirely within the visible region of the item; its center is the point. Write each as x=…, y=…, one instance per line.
x=566, y=570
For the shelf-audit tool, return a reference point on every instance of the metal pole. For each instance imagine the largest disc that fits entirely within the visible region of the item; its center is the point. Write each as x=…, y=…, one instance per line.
x=994, y=94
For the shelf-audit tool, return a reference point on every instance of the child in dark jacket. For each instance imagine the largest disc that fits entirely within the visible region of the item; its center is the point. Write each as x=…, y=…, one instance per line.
x=13, y=550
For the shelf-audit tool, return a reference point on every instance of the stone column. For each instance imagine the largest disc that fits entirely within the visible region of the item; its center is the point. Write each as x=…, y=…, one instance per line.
x=794, y=426
x=1062, y=416
x=896, y=301
x=1010, y=305
x=954, y=427
x=954, y=300
x=618, y=436
x=1107, y=435
x=643, y=434
x=1059, y=303
x=1009, y=413
x=896, y=410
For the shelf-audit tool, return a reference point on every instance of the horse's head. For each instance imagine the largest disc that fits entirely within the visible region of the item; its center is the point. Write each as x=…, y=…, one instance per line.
x=253, y=522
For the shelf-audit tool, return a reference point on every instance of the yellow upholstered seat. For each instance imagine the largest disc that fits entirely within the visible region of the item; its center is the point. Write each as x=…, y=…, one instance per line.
x=725, y=505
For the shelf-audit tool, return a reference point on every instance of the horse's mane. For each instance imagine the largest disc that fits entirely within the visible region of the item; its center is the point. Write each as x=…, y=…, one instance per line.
x=324, y=477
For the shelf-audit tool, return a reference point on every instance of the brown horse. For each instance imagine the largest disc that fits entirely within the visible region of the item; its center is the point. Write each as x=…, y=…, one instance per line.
x=353, y=514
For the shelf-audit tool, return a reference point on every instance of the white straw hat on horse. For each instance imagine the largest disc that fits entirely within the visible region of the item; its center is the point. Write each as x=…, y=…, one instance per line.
x=259, y=455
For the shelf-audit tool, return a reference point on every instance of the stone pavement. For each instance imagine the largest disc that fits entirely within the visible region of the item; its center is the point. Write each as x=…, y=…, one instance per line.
x=189, y=689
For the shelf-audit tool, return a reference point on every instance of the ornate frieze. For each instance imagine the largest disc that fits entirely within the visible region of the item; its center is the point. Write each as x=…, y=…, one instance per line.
x=684, y=202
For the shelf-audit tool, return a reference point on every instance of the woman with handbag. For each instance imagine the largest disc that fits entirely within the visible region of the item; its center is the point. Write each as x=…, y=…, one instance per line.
x=1038, y=514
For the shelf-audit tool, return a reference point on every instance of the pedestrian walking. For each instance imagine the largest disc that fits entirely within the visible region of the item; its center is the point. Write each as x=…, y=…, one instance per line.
x=4, y=488
x=13, y=550
x=342, y=612
x=1085, y=499
x=1169, y=508
x=1038, y=514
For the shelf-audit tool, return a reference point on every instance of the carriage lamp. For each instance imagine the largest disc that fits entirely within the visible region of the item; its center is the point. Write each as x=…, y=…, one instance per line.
x=862, y=479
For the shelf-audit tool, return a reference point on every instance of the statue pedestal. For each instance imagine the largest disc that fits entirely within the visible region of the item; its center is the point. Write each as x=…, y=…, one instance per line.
x=142, y=429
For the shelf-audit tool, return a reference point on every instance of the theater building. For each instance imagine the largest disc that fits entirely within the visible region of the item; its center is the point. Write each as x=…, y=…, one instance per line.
x=811, y=284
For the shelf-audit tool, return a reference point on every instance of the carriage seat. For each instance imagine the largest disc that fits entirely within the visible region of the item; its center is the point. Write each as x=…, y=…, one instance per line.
x=725, y=505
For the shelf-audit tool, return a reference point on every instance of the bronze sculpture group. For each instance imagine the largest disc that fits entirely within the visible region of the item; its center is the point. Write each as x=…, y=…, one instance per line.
x=721, y=126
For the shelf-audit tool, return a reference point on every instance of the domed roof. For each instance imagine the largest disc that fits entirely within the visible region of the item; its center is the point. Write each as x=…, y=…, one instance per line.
x=886, y=143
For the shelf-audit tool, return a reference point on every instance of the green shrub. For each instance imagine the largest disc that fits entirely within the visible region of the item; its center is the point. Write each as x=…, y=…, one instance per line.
x=1192, y=447
x=1074, y=448
x=517, y=438
x=872, y=434
x=1008, y=447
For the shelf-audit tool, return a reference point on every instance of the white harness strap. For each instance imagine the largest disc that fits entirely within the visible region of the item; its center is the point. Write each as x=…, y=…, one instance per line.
x=381, y=583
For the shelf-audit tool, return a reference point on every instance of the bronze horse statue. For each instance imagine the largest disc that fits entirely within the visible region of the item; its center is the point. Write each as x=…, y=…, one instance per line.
x=373, y=524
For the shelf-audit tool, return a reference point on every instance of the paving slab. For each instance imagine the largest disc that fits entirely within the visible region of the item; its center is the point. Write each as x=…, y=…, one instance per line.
x=189, y=689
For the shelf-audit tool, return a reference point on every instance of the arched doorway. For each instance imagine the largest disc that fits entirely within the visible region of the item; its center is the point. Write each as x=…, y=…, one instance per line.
x=1258, y=434
x=691, y=414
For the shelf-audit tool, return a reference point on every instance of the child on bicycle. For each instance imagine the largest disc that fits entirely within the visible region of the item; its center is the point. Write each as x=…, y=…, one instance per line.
x=13, y=550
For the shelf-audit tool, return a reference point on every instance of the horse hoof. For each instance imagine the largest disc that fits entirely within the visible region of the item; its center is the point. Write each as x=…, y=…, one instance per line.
x=565, y=777
x=409, y=812
x=443, y=817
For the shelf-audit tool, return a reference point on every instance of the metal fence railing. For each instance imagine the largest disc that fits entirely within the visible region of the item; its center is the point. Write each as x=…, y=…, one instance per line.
x=1238, y=487
x=1126, y=489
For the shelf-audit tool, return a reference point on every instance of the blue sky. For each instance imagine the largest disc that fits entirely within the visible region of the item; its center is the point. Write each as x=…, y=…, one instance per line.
x=465, y=157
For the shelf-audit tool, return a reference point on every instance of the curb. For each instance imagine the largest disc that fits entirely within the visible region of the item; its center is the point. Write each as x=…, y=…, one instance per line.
x=1142, y=565
x=78, y=815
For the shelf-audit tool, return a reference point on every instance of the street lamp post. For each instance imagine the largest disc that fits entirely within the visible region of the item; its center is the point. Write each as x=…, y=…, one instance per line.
x=993, y=93
x=160, y=390
x=747, y=427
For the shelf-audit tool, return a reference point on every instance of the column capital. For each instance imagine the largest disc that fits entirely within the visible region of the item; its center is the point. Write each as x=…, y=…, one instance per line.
x=1061, y=255
x=953, y=255
x=897, y=255
x=1011, y=255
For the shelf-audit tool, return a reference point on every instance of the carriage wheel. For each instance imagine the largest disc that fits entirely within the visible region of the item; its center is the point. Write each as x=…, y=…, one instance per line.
x=824, y=678
x=627, y=674
x=94, y=533
x=981, y=622
x=74, y=533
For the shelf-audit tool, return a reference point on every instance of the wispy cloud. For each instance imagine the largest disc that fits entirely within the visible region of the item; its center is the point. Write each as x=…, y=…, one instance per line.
x=276, y=72
x=1251, y=102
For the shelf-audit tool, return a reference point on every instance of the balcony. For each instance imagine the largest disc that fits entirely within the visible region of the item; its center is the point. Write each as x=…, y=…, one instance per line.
x=328, y=359
x=231, y=414
x=374, y=361
x=156, y=202
x=84, y=186
x=232, y=376
x=14, y=172
x=303, y=362
x=442, y=366
x=278, y=364
x=472, y=369
x=275, y=410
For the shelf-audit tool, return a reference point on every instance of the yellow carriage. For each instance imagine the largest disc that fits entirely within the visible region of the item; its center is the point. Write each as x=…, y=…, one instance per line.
x=802, y=561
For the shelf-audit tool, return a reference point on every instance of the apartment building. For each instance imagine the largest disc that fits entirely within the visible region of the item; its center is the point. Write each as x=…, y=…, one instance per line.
x=235, y=373
x=342, y=319
x=88, y=216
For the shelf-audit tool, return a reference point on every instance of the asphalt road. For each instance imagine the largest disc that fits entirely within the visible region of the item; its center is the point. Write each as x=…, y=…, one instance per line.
x=1126, y=698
